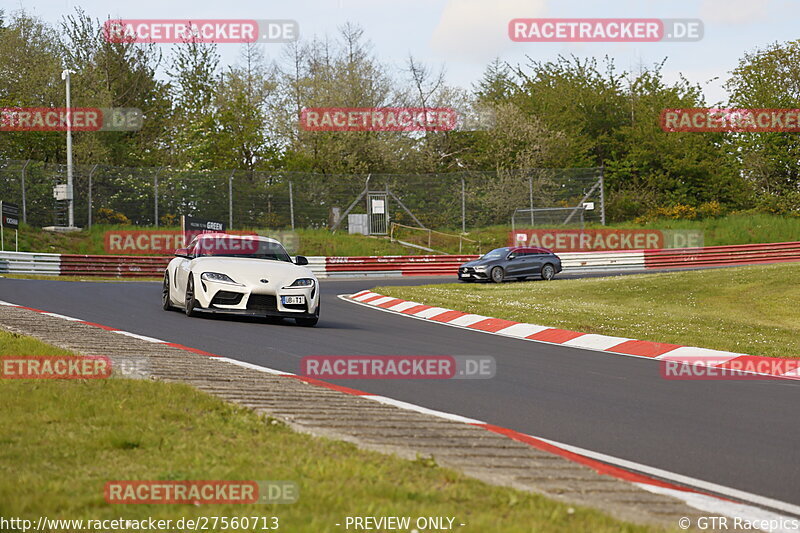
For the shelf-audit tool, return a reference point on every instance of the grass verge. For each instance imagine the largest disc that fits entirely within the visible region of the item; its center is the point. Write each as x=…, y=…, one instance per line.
x=749, y=309
x=62, y=440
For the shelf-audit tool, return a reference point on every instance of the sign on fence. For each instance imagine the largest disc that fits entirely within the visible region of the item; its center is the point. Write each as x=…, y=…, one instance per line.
x=9, y=215
x=9, y=218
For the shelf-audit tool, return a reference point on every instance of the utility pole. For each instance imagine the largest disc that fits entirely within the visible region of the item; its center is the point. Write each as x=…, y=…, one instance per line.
x=71, y=218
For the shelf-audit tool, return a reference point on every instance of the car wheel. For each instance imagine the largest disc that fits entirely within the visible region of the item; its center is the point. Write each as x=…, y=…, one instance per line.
x=191, y=302
x=497, y=274
x=166, y=303
x=548, y=272
x=309, y=322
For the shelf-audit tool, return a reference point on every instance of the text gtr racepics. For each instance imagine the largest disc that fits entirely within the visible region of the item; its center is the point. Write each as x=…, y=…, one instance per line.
x=242, y=275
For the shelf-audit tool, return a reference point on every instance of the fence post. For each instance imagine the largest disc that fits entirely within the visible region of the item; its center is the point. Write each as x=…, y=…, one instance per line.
x=89, y=221
x=230, y=200
x=24, y=203
x=291, y=204
x=463, y=207
x=602, y=197
x=530, y=195
x=155, y=198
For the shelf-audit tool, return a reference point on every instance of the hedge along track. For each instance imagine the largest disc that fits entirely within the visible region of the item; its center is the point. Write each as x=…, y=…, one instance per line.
x=321, y=409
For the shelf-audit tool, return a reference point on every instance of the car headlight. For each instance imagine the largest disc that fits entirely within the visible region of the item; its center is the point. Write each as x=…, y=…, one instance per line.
x=303, y=282
x=480, y=268
x=216, y=276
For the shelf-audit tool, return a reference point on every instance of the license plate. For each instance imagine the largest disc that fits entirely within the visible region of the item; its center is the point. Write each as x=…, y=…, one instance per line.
x=293, y=300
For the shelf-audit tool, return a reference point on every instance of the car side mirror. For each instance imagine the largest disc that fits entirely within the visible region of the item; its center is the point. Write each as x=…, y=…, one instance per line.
x=300, y=260
x=512, y=256
x=183, y=252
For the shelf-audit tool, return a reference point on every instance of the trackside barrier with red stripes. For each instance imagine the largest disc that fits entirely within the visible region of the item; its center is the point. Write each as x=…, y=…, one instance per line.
x=741, y=254
x=415, y=265
x=113, y=265
x=402, y=265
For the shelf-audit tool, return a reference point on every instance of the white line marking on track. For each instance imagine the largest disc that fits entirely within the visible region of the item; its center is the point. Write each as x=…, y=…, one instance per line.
x=679, y=478
x=253, y=366
x=135, y=335
x=423, y=410
x=64, y=317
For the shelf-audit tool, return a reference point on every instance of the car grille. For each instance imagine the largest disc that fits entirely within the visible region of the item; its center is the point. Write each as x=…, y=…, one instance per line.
x=227, y=298
x=467, y=270
x=262, y=302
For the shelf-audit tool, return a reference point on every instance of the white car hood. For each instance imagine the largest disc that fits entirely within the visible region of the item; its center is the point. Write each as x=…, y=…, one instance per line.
x=251, y=271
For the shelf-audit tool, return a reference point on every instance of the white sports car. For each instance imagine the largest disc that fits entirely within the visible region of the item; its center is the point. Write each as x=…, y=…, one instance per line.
x=243, y=275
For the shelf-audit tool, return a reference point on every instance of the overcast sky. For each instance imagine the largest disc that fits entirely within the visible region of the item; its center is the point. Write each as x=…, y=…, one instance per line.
x=464, y=35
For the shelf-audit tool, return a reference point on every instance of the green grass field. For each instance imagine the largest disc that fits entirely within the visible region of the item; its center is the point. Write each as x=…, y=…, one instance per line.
x=60, y=441
x=749, y=309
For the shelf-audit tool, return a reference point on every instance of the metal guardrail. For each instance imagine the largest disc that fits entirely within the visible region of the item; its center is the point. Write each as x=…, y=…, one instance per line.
x=413, y=265
x=740, y=254
x=30, y=263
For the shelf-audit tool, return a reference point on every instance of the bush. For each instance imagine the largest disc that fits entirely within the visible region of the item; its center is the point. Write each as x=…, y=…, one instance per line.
x=784, y=204
x=711, y=209
x=674, y=212
x=169, y=220
x=105, y=215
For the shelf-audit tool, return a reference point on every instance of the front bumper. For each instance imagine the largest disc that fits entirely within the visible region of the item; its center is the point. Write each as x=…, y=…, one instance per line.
x=226, y=298
x=470, y=273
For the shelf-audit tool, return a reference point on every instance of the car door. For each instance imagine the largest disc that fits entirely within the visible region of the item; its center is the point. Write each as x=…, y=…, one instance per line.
x=514, y=263
x=182, y=270
x=535, y=260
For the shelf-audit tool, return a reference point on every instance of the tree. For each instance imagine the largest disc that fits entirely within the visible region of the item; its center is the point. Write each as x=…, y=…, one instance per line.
x=769, y=78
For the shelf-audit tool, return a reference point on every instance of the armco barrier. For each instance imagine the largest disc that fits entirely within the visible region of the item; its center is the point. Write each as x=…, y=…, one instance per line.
x=394, y=265
x=414, y=265
x=113, y=265
x=741, y=254
x=30, y=263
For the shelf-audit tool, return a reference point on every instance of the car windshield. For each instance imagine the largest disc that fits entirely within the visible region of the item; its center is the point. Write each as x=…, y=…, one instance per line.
x=495, y=254
x=245, y=248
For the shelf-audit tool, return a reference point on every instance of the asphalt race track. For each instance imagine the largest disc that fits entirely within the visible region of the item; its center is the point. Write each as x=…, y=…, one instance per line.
x=740, y=434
